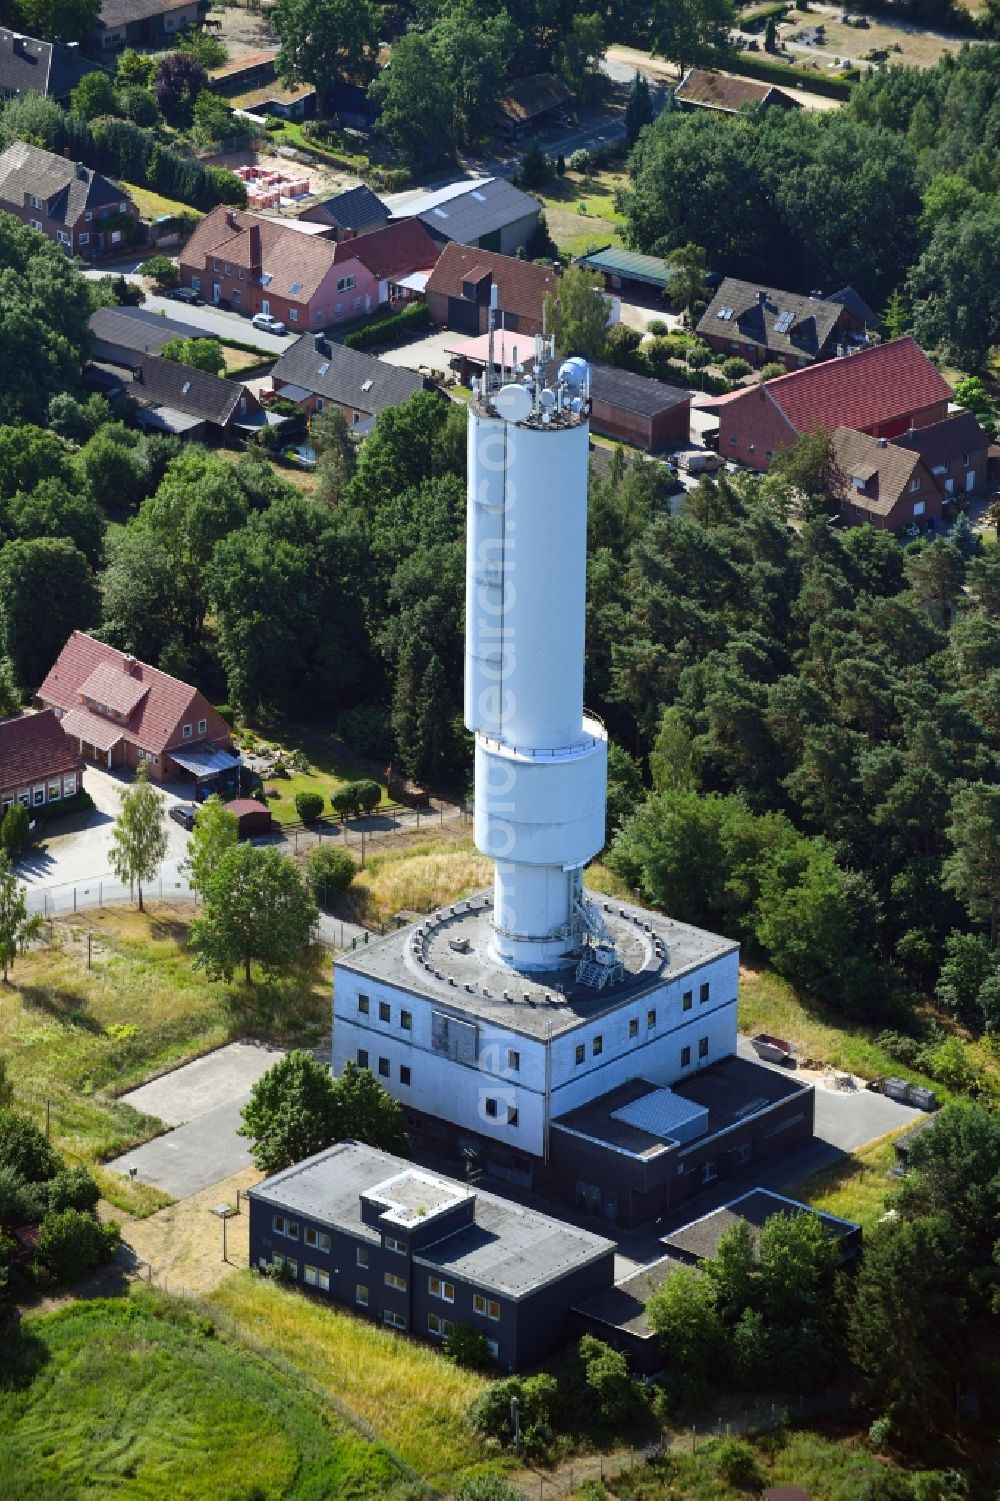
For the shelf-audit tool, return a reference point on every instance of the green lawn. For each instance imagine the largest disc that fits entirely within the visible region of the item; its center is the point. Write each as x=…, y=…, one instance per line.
x=580, y=210
x=153, y=205
x=321, y=769
x=408, y=1392
x=137, y=1399
x=856, y=1188
x=77, y=1038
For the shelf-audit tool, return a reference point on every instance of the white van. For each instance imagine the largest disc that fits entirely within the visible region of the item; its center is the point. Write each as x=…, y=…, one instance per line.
x=699, y=461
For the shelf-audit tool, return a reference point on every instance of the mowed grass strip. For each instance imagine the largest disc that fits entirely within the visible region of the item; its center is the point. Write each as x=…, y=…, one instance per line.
x=139, y=1398
x=414, y=1399
x=76, y=1038
x=856, y=1188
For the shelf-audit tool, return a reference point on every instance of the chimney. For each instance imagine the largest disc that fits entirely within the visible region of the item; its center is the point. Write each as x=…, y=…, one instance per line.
x=319, y=343
x=557, y=268
x=17, y=41
x=128, y=662
x=231, y=219
x=761, y=298
x=881, y=442
x=253, y=244
x=67, y=153
x=81, y=171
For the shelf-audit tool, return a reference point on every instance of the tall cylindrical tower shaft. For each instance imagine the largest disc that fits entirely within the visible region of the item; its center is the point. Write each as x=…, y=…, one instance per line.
x=541, y=766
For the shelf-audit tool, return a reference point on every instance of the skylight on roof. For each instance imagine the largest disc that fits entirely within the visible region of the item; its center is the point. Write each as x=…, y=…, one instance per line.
x=479, y=197
x=296, y=286
x=185, y=388
x=440, y=213
x=724, y=313
x=323, y=368
x=366, y=385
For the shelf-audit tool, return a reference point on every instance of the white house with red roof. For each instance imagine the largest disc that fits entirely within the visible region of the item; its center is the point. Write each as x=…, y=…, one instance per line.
x=38, y=765
x=119, y=711
x=885, y=391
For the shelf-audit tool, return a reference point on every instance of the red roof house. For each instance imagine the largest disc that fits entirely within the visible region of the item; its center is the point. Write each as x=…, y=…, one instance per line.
x=883, y=391
x=120, y=711
x=38, y=765
x=461, y=286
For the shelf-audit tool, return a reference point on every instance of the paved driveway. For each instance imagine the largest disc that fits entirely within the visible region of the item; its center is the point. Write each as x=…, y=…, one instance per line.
x=77, y=849
x=202, y=1101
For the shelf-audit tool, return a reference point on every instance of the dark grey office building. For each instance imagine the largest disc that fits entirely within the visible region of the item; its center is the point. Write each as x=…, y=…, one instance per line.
x=421, y=1253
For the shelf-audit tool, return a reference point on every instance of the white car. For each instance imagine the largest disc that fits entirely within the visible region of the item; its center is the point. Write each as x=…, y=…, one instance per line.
x=268, y=324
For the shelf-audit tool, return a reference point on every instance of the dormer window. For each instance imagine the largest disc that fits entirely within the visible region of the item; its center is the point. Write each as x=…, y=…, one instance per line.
x=858, y=482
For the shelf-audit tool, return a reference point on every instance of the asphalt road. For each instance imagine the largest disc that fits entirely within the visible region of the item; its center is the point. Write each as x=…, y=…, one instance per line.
x=219, y=322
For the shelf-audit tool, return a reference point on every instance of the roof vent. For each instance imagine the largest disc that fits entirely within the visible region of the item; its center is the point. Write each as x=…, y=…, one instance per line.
x=881, y=442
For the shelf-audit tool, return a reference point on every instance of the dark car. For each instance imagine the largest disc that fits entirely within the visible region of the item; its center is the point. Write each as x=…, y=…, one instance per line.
x=185, y=294
x=184, y=814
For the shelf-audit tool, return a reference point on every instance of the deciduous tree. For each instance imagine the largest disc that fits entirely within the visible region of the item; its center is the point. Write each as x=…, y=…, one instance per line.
x=578, y=316
x=326, y=42
x=17, y=929
x=215, y=831
x=139, y=836
x=256, y=907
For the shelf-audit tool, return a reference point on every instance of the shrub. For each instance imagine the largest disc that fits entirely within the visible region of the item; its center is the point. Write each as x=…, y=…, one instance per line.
x=161, y=269
x=466, y=1346
x=15, y=830
x=71, y=1244
x=621, y=340
x=73, y=1188
x=487, y=1488
x=24, y=1149
x=608, y=1379
x=344, y=800
x=734, y=368
x=329, y=871
x=698, y=355
x=581, y=161
x=309, y=806
x=369, y=795
x=880, y=1434
x=386, y=329
x=657, y=326
x=736, y=1462
x=770, y=370
x=21, y=1202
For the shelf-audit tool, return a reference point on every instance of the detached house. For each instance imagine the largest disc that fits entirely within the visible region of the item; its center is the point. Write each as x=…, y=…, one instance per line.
x=882, y=483
x=316, y=373
x=118, y=711
x=253, y=264
x=460, y=289
x=146, y=23
x=79, y=209
x=38, y=764
x=766, y=326
x=882, y=391
x=30, y=66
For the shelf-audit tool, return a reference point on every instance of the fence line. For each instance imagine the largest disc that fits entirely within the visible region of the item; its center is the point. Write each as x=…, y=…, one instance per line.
x=102, y=891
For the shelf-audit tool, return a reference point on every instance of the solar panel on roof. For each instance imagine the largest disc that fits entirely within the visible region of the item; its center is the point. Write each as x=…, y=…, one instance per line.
x=784, y=323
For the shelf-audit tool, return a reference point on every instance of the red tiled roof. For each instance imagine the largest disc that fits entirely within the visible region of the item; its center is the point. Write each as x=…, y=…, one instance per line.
x=153, y=723
x=32, y=748
x=522, y=287
x=286, y=255
x=720, y=91
x=859, y=390
x=109, y=686
x=392, y=251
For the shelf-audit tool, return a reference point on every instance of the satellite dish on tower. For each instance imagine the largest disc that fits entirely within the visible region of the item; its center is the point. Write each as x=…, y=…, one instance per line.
x=513, y=403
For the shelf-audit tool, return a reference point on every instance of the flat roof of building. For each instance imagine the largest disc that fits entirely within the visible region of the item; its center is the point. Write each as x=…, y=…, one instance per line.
x=699, y=1240
x=731, y=1090
x=509, y=1249
x=446, y=958
x=623, y=1306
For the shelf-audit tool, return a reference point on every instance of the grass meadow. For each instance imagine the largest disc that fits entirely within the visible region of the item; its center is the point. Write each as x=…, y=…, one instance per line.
x=856, y=1188
x=405, y=1390
x=138, y=1398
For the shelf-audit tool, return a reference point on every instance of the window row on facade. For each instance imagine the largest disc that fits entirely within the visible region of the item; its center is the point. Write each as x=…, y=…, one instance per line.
x=597, y=1041
x=52, y=790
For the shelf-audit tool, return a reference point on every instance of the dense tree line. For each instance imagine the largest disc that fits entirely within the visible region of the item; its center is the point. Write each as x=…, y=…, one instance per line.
x=780, y=196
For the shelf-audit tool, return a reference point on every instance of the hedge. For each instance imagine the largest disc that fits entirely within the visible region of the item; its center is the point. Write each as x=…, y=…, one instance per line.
x=756, y=20
x=790, y=78
x=417, y=316
x=78, y=802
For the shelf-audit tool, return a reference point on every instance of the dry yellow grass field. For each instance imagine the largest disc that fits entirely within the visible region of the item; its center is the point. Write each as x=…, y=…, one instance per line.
x=920, y=49
x=183, y=1242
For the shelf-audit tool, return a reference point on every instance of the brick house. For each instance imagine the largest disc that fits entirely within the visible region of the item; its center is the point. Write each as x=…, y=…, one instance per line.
x=883, y=484
x=635, y=409
x=38, y=764
x=956, y=450
x=118, y=711
x=30, y=66
x=766, y=326
x=316, y=373
x=76, y=207
x=253, y=264
x=883, y=391
x=460, y=287
x=357, y=211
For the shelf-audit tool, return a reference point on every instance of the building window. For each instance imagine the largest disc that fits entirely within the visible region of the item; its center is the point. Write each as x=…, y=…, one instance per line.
x=915, y=485
x=965, y=461
x=242, y=274
x=361, y=1295
x=702, y=1047
x=406, y=1021
x=919, y=506
x=363, y=1004
x=633, y=1026
x=392, y=1280
x=709, y=1172
x=345, y=284
x=63, y=237
x=488, y=1307
x=494, y=1348
x=203, y=727
x=650, y=1018
x=734, y=442
x=362, y=1057
x=685, y=1057
x=293, y=315
x=289, y=1263
x=438, y=1326
x=704, y=992
x=581, y=1052
x=37, y=224
x=383, y=1068
x=314, y=1276
x=317, y=1238
x=196, y=283
x=282, y=1226
x=491, y=1108
x=752, y=447
x=69, y=785
x=392, y=1244
x=597, y=1046
x=513, y=1060
x=38, y=796
x=357, y=304
x=404, y=1073
x=686, y=1000
x=394, y=1320
x=361, y=1259
x=439, y=1289
x=384, y=1011
x=186, y=732
x=54, y=791
x=512, y=1115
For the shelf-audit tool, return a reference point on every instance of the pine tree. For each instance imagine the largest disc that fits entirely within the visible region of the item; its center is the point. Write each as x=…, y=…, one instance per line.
x=639, y=109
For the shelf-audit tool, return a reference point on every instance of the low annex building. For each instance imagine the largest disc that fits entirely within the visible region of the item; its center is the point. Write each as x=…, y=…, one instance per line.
x=38, y=764
x=315, y=372
x=422, y=1253
x=176, y=398
x=635, y=409
x=123, y=335
x=118, y=711
x=146, y=23
x=76, y=207
x=357, y=211
x=531, y=101
x=883, y=484
x=884, y=391
x=460, y=287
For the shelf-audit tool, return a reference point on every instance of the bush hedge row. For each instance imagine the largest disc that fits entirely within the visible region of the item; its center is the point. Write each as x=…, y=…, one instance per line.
x=417, y=316
x=791, y=78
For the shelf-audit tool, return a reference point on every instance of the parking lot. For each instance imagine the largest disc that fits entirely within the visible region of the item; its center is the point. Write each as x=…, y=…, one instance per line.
x=202, y=1101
